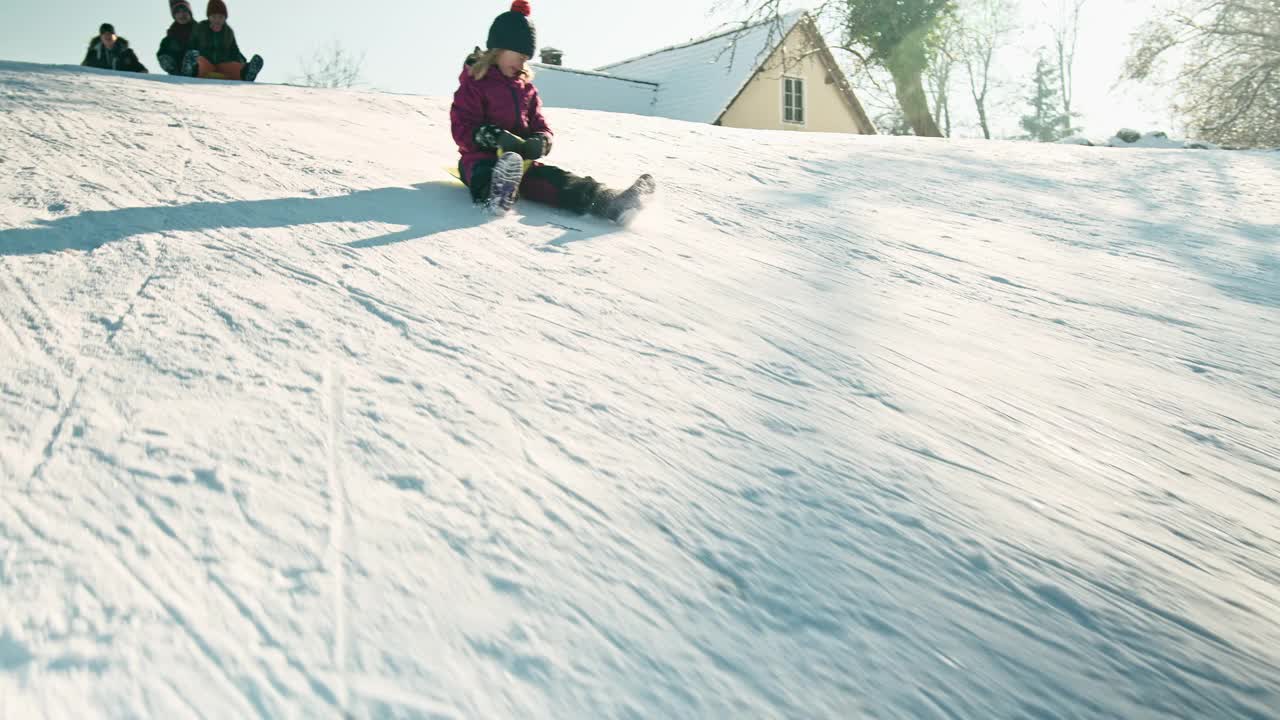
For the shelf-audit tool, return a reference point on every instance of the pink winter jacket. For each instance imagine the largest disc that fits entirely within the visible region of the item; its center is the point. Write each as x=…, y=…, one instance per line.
x=509, y=103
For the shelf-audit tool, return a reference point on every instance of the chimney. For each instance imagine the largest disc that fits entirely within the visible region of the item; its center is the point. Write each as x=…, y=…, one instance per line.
x=552, y=56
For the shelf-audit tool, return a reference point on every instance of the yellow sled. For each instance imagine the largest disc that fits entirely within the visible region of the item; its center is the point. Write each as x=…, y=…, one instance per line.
x=457, y=175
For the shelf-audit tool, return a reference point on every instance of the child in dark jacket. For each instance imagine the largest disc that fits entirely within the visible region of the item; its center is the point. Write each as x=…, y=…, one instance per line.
x=214, y=52
x=498, y=124
x=177, y=41
x=109, y=51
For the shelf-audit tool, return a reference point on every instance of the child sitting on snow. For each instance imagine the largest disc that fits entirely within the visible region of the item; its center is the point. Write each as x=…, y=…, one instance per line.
x=496, y=108
x=109, y=51
x=214, y=52
x=177, y=40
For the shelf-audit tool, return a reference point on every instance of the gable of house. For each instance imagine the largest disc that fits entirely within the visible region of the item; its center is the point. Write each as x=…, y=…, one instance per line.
x=799, y=87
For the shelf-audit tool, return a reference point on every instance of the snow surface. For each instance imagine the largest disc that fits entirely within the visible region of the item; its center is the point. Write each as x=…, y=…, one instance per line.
x=853, y=427
x=1159, y=140
x=1153, y=139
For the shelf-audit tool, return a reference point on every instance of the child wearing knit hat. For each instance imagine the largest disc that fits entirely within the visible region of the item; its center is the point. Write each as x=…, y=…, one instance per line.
x=214, y=52
x=501, y=133
x=177, y=40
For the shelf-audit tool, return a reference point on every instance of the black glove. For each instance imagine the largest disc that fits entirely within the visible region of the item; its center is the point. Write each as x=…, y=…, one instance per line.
x=510, y=142
x=537, y=146
x=492, y=137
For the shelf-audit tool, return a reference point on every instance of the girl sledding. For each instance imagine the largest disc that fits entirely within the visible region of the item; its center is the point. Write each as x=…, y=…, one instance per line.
x=502, y=135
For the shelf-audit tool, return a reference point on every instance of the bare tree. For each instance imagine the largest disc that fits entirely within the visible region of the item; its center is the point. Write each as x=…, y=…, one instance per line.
x=1230, y=81
x=1064, y=23
x=943, y=55
x=875, y=90
x=986, y=26
x=333, y=66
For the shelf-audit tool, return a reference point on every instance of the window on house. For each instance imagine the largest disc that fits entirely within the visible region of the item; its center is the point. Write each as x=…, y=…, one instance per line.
x=793, y=100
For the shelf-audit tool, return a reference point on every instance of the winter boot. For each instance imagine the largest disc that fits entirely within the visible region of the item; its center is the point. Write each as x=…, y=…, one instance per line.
x=189, y=65
x=168, y=64
x=623, y=207
x=250, y=71
x=505, y=184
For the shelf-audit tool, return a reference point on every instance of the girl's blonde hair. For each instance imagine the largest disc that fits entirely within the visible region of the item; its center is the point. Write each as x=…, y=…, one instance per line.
x=482, y=60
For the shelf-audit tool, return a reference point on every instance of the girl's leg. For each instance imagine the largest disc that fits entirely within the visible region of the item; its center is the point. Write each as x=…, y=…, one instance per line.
x=558, y=188
x=481, y=177
x=562, y=189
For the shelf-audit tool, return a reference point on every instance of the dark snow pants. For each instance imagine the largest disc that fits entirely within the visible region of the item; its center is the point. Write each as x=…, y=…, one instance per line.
x=546, y=184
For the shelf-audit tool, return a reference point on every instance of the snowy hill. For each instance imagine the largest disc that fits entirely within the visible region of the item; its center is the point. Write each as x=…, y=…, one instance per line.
x=852, y=427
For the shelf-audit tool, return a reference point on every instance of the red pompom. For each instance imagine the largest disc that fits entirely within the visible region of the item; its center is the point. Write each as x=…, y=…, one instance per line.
x=522, y=7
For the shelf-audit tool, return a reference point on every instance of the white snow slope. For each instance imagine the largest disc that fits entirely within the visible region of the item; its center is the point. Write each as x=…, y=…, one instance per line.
x=852, y=427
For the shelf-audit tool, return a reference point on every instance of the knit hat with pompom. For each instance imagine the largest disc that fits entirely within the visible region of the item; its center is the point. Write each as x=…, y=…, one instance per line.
x=512, y=30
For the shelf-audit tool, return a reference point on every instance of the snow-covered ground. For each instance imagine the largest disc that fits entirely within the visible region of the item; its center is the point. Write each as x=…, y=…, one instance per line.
x=1152, y=139
x=851, y=427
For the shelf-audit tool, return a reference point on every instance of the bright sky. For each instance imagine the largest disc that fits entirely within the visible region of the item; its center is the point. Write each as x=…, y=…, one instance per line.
x=413, y=46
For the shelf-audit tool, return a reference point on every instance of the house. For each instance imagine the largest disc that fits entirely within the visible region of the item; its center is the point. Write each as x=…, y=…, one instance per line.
x=769, y=76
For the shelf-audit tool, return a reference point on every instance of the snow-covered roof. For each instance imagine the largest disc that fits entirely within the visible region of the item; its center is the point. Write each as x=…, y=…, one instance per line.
x=700, y=79
x=588, y=90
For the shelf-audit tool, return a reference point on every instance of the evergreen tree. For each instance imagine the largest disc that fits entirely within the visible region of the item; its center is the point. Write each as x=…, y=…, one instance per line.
x=1047, y=121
